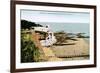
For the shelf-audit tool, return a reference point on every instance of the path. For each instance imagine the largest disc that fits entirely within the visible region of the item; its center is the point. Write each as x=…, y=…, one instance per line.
x=47, y=54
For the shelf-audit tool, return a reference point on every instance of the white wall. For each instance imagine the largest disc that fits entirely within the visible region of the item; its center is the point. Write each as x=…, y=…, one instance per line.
x=5, y=36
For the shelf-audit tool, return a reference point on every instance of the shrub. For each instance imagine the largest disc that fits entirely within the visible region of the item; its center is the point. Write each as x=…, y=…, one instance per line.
x=29, y=52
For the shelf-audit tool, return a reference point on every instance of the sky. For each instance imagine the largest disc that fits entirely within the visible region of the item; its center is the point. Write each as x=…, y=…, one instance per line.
x=72, y=22
x=53, y=16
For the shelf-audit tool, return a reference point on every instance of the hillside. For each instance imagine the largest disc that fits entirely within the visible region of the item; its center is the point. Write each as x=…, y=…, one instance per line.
x=28, y=24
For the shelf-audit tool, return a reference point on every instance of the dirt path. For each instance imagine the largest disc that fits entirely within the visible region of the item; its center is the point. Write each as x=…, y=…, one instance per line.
x=50, y=54
x=47, y=54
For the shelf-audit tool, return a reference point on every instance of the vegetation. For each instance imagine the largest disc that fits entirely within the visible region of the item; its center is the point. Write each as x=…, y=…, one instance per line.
x=29, y=52
x=27, y=24
x=61, y=37
x=81, y=35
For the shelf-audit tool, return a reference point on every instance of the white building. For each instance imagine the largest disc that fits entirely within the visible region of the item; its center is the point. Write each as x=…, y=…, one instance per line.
x=50, y=39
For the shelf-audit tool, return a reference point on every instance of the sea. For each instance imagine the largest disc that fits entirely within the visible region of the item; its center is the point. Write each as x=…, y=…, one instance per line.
x=68, y=27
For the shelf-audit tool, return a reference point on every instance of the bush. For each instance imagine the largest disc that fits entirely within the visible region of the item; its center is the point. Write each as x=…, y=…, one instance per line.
x=29, y=52
x=60, y=36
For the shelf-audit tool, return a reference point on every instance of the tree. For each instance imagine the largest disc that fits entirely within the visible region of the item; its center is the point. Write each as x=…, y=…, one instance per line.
x=60, y=36
x=27, y=24
x=80, y=35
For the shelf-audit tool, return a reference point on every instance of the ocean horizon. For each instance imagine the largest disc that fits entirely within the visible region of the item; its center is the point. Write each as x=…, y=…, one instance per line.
x=68, y=27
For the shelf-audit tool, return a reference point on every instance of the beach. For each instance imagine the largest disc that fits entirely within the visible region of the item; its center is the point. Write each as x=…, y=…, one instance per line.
x=72, y=50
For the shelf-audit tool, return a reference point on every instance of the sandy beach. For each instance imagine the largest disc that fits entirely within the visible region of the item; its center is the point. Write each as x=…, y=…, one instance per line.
x=73, y=50
x=77, y=49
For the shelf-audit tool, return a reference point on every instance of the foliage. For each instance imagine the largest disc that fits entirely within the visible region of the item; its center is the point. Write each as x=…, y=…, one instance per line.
x=60, y=36
x=80, y=35
x=28, y=24
x=29, y=52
